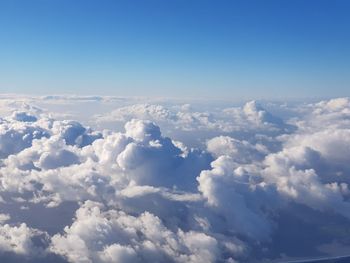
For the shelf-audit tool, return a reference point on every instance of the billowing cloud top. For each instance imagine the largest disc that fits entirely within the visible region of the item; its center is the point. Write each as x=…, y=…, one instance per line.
x=175, y=183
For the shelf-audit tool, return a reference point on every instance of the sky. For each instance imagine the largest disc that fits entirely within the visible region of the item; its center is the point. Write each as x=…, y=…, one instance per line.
x=178, y=48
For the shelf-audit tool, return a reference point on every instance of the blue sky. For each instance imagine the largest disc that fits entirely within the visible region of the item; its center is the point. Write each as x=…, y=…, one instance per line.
x=177, y=48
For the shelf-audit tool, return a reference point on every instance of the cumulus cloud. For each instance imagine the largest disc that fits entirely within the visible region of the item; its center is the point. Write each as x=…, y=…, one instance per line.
x=22, y=240
x=74, y=133
x=113, y=236
x=139, y=111
x=178, y=183
x=186, y=119
x=240, y=151
x=235, y=198
x=18, y=135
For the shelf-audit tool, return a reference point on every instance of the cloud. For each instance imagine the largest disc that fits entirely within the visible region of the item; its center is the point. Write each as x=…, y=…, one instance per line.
x=240, y=180
x=237, y=198
x=23, y=116
x=18, y=135
x=240, y=151
x=74, y=133
x=109, y=236
x=139, y=111
x=21, y=240
x=186, y=119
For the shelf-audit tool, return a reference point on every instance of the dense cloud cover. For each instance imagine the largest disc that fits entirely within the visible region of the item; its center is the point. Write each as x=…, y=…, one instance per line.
x=174, y=182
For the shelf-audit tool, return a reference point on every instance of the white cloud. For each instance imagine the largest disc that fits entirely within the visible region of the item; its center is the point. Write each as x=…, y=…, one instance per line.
x=109, y=236
x=141, y=195
x=236, y=197
x=240, y=151
x=20, y=240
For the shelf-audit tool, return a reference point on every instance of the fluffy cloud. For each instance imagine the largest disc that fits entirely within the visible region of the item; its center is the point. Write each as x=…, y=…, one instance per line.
x=113, y=236
x=74, y=133
x=240, y=151
x=21, y=240
x=141, y=195
x=18, y=135
x=139, y=111
x=236, y=198
x=185, y=119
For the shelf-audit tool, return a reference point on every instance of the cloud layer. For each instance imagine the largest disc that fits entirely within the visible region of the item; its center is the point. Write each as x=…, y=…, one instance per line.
x=175, y=184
